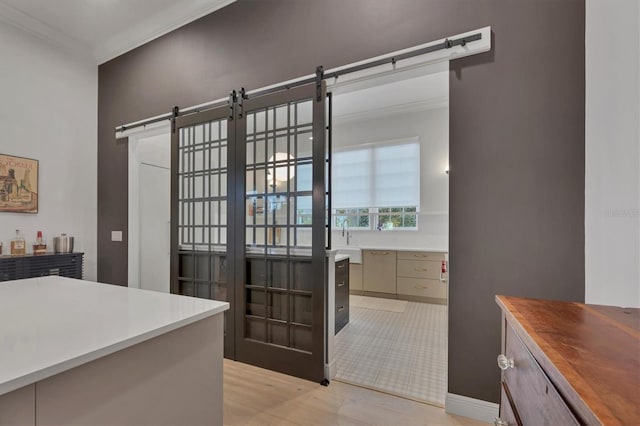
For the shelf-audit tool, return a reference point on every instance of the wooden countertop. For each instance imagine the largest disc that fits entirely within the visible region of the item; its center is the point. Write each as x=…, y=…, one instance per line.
x=591, y=354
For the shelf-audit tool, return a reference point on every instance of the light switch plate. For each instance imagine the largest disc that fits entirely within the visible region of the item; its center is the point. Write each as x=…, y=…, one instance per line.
x=116, y=235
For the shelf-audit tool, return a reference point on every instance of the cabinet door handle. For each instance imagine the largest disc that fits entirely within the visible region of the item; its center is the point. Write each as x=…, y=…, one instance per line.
x=341, y=266
x=341, y=308
x=341, y=284
x=505, y=363
x=379, y=253
x=420, y=269
x=419, y=287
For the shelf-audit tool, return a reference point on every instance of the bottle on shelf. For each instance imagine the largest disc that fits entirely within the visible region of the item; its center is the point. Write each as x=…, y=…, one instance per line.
x=39, y=247
x=18, y=246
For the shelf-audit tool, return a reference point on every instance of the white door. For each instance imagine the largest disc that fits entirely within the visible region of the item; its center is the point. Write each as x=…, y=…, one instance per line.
x=155, y=214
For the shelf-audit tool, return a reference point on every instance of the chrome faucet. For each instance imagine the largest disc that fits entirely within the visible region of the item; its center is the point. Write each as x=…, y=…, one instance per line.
x=345, y=230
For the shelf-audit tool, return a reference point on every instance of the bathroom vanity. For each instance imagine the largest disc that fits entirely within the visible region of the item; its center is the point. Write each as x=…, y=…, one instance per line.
x=78, y=352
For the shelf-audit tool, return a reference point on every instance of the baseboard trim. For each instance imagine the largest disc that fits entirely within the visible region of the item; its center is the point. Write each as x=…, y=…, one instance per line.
x=470, y=407
x=331, y=369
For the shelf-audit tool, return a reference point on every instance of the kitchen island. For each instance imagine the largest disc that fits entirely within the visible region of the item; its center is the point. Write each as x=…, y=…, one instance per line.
x=78, y=352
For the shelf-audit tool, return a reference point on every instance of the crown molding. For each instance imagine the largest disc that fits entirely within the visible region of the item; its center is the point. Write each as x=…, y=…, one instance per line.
x=156, y=25
x=44, y=32
x=407, y=108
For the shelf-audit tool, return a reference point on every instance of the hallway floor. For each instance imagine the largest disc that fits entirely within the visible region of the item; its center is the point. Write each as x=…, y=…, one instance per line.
x=395, y=346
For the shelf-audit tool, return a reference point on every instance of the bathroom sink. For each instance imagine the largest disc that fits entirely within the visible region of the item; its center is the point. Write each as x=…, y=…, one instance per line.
x=354, y=253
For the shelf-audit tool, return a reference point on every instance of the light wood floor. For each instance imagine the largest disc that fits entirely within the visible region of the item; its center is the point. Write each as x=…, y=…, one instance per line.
x=253, y=396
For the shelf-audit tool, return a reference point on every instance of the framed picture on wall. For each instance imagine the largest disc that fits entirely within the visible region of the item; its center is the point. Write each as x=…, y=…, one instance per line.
x=18, y=184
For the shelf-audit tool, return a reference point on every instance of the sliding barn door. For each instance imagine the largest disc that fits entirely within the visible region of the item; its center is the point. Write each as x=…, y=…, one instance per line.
x=249, y=224
x=202, y=243
x=280, y=250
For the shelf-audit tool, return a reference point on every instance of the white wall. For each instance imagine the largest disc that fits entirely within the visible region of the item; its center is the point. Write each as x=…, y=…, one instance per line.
x=432, y=127
x=612, y=224
x=48, y=111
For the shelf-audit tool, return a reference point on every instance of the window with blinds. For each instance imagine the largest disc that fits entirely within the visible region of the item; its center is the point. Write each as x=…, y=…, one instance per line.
x=377, y=186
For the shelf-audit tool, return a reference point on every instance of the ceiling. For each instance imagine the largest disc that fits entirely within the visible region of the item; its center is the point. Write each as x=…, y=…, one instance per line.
x=393, y=94
x=103, y=29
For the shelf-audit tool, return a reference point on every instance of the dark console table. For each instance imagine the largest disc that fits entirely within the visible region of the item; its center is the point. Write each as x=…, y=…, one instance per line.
x=31, y=266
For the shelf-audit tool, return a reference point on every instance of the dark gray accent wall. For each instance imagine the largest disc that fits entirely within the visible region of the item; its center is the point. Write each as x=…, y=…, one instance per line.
x=516, y=134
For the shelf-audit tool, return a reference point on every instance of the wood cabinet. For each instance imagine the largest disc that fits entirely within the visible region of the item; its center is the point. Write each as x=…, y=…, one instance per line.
x=419, y=276
x=402, y=274
x=379, y=275
x=342, y=294
x=355, y=278
x=421, y=255
x=568, y=363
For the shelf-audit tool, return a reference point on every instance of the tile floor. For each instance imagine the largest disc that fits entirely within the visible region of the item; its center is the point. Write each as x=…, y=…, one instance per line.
x=395, y=346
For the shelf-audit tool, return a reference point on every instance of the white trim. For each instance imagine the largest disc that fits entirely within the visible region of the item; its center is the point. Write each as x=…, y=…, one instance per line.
x=472, y=408
x=133, y=213
x=146, y=131
x=415, y=65
x=37, y=28
x=156, y=25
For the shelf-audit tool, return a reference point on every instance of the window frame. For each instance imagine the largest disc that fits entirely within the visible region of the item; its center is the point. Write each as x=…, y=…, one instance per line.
x=374, y=214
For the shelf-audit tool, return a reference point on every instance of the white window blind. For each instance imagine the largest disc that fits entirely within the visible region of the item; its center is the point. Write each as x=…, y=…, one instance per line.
x=377, y=175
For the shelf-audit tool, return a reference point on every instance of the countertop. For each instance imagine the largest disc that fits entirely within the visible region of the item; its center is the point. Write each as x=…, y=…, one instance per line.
x=52, y=324
x=434, y=250
x=591, y=353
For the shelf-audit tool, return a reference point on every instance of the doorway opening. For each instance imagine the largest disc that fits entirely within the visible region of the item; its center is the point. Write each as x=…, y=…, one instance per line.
x=150, y=210
x=390, y=205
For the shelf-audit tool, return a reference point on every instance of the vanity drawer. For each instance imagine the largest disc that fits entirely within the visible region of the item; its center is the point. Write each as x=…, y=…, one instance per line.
x=420, y=255
x=422, y=287
x=530, y=389
x=419, y=269
x=342, y=270
x=507, y=412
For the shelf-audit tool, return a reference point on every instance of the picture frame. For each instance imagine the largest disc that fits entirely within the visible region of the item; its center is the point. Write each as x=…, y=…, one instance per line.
x=19, y=179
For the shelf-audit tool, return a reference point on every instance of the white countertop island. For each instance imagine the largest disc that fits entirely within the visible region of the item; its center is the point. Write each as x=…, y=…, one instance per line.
x=69, y=335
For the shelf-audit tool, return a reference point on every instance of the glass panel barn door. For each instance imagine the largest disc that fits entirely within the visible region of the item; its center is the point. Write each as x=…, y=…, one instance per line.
x=248, y=224
x=280, y=253
x=202, y=217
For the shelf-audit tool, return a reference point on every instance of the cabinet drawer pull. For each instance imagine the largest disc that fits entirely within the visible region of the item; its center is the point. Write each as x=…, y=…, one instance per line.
x=419, y=287
x=341, y=284
x=421, y=255
x=341, y=266
x=379, y=253
x=499, y=422
x=505, y=363
x=420, y=269
x=341, y=308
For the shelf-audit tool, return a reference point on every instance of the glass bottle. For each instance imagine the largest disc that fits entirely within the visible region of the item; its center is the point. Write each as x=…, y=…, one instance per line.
x=39, y=247
x=18, y=246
